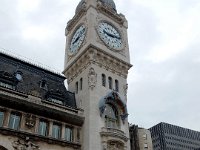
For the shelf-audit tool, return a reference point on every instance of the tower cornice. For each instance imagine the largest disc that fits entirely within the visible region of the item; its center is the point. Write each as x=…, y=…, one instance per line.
x=94, y=55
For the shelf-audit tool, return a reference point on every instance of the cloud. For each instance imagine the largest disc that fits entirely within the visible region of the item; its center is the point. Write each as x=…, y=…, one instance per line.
x=164, y=46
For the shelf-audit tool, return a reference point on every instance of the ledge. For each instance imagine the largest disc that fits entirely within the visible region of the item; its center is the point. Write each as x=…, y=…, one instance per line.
x=35, y=137
x=115, y=133
x=41, y=109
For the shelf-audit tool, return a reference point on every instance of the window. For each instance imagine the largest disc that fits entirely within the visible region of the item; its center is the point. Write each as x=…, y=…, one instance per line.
x=81, y=83
x=116, y=85
x=14, y=121
x=104, y=80
x=57, y=101
x=144, y=136
x=111, y=116
x=68, y=134
x=56, y=133
x=1, y=118
x=6, y=85
x=43, y=84
x=43, y=128
x=76, y=87
x=110, y=82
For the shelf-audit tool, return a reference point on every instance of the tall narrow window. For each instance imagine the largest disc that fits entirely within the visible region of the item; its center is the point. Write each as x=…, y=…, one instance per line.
x=69, y=134
x=81, y=83
x=110, y=82
x=116, y=85
x=76, y=87
x=14, y=121
x=56, y=131
x=1, y=118
x=43, y=128
x=104, y=80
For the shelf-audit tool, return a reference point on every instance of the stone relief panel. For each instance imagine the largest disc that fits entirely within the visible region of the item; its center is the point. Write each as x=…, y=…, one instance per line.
x=30, y=120
x=92, y=78
x=115, y=145
x=26, y=144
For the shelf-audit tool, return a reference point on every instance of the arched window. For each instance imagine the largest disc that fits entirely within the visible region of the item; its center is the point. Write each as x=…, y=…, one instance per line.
x=111, y=116
x=116, y=85
x=104, y=80
x=110, y=82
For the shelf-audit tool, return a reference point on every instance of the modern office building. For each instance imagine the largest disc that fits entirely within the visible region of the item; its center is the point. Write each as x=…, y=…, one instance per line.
x=140, y=138
x=36, y=110
x=170, y=137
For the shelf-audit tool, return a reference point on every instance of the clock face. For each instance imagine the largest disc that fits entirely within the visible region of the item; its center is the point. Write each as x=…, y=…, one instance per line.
x=110, y=36
x=77, y=39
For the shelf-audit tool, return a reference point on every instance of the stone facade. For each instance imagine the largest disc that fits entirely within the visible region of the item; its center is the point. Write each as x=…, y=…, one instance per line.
x=38, y=113
x=98, y=74
x=30, y=95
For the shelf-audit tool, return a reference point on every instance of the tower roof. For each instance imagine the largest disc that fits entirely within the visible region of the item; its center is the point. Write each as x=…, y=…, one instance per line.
x=107, y=3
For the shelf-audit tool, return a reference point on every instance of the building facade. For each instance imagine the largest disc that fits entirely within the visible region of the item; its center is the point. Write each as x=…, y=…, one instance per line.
x=96, y=66
x=170, y=137
x=36, y=110
x=140, y=138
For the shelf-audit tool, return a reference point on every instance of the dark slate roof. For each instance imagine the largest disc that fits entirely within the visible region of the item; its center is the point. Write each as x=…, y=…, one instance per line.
x=35, y=81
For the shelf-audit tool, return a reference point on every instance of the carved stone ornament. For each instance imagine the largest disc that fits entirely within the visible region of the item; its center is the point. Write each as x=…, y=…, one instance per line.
x=26, y=144
x=125, y=89
x=30, y=120
x=92, y=78
x=114, y=145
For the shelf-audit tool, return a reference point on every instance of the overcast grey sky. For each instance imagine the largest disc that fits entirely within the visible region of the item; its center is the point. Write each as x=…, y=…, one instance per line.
x=164, y=41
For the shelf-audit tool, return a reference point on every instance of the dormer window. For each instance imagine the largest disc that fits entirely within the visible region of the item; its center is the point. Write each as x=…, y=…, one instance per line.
x=18, y=76
x=56, y=101
x=43, y=84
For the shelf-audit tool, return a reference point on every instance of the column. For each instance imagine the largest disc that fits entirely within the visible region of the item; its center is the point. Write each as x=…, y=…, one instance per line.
x=63, y=132
x=6, y=118
x=37, y=121
x=22, y=122
x=74, y=134
x=50, y=128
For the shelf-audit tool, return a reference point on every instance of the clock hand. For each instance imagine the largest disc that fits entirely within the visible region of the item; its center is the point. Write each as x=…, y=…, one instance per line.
x=76, y=39
x=112, y=35
x=80, y=34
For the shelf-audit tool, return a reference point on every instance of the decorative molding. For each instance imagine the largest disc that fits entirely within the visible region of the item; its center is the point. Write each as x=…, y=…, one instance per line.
x=113, y=135
x=26, y=144
x=92, y=78
x=115, y=145
x=93, y=55
x=113, y=98
x=77, y=17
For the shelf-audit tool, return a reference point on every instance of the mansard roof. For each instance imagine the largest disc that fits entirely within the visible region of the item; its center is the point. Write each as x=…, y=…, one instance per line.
x=21, y=76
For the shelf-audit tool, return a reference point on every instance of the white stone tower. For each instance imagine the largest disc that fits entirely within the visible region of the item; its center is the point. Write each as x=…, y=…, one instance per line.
x=96, y=66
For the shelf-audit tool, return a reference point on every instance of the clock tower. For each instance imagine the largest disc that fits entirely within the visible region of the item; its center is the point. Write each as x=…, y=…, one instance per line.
x=96, y=65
